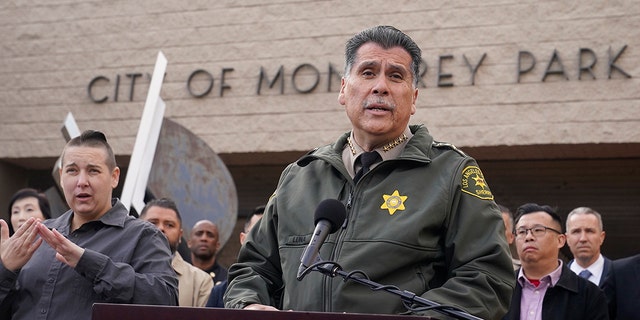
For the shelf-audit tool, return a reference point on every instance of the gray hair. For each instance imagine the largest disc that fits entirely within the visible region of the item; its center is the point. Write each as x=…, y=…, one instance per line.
x=586, y=210
x=387, y=37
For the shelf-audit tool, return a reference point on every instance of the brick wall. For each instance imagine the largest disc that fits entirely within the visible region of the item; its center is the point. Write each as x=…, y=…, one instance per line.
x=52, y=49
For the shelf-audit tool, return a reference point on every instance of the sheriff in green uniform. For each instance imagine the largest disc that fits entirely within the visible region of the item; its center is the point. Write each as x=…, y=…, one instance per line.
x=421, y=218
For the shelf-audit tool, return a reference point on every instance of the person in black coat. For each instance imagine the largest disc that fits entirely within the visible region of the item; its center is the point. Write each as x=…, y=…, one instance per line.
x=566, y=296
x=624, y=287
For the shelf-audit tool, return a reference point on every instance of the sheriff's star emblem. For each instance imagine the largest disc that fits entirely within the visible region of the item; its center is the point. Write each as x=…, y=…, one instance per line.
x=393, y=202
x=473, y=183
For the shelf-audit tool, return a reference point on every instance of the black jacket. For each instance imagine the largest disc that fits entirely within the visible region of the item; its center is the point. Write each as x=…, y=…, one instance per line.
x=572, y=298
x=623, y=286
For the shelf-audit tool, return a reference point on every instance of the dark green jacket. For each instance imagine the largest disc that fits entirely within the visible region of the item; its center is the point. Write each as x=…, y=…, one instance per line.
x=424, y=222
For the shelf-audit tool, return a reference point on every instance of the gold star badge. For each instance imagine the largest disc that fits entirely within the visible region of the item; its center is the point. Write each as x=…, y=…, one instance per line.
x=393, y=202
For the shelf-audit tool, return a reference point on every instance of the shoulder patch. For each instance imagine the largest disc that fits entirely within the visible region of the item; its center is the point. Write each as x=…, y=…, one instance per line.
x=444, y=145
x=474, y=184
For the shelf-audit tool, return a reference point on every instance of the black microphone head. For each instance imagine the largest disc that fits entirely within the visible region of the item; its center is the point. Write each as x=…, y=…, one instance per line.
x=331, y=210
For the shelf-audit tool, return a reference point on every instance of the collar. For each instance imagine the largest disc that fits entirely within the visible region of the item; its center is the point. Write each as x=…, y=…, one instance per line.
x=115, y=216
x=419, y=148
x=551, y=279
x=390, y=147
x=594, y=267
x=178, y=264
x=391, y=150
x=356, y=150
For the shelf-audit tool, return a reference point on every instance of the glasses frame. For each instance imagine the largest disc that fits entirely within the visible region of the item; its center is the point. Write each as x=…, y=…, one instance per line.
x=527, y=230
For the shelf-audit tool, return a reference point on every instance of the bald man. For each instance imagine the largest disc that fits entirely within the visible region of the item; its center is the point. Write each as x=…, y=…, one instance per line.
x=204, y=244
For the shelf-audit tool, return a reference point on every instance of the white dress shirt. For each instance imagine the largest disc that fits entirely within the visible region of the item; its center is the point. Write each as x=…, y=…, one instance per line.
x=595, y=268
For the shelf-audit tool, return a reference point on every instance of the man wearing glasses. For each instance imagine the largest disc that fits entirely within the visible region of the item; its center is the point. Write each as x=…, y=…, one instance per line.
x=546, y=288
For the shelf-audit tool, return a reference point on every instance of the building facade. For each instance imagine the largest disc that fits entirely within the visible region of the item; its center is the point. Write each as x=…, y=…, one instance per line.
x=544, y=94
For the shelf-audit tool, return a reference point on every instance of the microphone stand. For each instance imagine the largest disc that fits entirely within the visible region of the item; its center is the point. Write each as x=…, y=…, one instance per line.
x=333, y=269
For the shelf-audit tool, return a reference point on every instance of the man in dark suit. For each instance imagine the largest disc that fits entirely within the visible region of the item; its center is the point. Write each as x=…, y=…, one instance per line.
x=624, y=288
x=585, y=235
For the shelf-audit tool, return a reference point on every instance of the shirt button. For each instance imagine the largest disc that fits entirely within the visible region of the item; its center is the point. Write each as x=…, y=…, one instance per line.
x=43, y=311
x=50, y=280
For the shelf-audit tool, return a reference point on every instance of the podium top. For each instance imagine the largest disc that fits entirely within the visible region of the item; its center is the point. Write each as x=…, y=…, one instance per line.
x=108, y=311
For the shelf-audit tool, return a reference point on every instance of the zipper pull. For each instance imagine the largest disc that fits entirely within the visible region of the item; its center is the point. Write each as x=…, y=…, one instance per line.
x=344, y=225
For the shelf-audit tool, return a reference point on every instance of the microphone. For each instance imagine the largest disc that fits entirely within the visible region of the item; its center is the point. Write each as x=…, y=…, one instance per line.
x=329, y=216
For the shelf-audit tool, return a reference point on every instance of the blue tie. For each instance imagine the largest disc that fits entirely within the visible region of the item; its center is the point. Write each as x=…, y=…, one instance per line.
x=585, y=274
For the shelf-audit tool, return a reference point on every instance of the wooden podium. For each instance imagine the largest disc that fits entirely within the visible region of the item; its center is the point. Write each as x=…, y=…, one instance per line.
x=107, y=311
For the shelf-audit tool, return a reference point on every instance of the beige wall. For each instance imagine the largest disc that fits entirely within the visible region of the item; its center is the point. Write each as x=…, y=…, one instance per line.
x=51, y=50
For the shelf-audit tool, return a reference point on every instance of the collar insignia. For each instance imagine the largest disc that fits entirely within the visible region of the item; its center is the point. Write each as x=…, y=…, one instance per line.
x=393, y=202
x=396, y=142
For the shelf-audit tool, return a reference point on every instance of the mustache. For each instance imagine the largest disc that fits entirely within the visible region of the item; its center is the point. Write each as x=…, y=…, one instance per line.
x=378, y=103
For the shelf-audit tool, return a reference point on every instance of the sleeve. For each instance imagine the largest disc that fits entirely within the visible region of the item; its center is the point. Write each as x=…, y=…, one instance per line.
x=215, y=298
x=481, y=277
x=8, y=280
x=609, y=288
x=598, y=308
x=257, y=276
x=147, y=278
x=205, y=288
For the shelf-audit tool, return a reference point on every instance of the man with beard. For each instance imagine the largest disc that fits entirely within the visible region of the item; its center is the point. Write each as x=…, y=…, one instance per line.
x=194, y=285
x=204, y=245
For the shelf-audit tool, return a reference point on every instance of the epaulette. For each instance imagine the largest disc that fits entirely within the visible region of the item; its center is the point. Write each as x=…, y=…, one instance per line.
x=445, y=145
